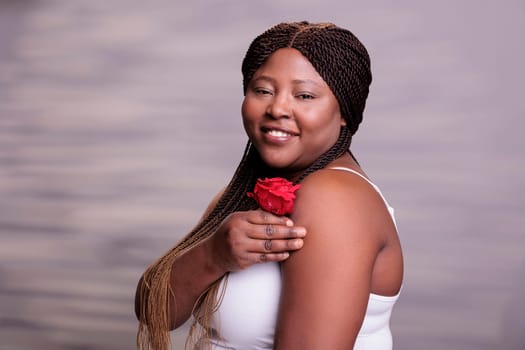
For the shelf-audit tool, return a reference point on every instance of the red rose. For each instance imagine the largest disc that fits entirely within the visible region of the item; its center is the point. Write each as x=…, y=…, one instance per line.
x=275, y=195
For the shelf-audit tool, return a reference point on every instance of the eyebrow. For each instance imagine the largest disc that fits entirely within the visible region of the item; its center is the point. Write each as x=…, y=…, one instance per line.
x=295, y=81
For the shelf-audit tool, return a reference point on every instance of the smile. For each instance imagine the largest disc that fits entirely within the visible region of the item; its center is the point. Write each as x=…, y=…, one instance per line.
x=280, y=133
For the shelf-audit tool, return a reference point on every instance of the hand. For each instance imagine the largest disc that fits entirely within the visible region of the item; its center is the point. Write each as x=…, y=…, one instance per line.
x=248, y=237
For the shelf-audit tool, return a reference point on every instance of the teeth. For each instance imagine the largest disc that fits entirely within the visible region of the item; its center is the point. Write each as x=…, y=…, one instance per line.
x=278, y=133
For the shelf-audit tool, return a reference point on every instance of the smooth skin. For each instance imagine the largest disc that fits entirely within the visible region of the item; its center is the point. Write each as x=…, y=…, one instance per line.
x=289, y=112
x=352, y=248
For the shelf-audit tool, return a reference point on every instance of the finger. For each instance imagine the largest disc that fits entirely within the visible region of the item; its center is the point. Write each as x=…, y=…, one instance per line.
x=270, y=231
x=268, y=244
x=261, y=217
x=274, y=245
x=267, y=257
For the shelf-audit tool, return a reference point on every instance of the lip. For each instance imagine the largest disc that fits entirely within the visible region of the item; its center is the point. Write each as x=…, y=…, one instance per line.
x=278, y=139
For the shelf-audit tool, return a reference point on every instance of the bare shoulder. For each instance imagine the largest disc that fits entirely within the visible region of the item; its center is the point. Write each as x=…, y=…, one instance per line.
x=326, y=283
x=335, y=197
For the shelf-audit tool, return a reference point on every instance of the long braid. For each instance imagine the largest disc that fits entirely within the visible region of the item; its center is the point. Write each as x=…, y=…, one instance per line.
x=155, y=290
x=343, y=63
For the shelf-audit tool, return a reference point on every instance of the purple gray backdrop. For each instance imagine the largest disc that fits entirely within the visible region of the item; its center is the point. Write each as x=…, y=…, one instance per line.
x=120, y=119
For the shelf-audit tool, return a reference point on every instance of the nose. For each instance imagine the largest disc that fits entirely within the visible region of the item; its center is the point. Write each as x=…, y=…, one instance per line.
x=279, y=106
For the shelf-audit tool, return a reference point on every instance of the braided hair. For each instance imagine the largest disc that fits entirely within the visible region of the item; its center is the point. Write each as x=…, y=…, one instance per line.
x=343, y=62
x=335, y=53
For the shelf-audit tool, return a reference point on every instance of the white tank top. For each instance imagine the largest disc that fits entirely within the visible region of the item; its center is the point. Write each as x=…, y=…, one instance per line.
x=247, y=316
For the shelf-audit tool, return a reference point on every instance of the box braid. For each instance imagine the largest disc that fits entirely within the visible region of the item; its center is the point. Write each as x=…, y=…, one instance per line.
x=343, y=62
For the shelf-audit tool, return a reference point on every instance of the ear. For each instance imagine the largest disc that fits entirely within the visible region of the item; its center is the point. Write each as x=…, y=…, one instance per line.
x=343, y=121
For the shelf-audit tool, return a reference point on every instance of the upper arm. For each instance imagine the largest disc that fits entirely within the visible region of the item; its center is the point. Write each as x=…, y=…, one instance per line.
x=326, y=284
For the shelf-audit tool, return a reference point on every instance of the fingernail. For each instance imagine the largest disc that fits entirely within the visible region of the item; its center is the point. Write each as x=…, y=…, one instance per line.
x=299, y=231
x=289, y=223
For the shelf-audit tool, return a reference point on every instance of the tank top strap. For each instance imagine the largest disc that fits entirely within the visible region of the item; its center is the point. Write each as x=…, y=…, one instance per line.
x=390, y=209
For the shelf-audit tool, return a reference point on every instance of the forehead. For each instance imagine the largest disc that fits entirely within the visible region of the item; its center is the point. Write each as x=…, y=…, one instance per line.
x=288, y=63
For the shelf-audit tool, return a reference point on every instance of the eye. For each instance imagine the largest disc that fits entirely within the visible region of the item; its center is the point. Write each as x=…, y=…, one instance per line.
x=305, y=96
x=262, y=91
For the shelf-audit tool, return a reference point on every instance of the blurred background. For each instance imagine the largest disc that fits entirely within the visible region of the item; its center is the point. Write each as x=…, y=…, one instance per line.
x=120, y=119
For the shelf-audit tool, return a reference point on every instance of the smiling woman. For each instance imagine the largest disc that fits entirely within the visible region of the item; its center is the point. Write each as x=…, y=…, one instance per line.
x=289, y=112
x=323, y=275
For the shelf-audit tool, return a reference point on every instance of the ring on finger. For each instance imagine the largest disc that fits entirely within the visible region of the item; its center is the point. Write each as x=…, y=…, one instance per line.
x=269, y=229
x=263, y=257
x=268, y=244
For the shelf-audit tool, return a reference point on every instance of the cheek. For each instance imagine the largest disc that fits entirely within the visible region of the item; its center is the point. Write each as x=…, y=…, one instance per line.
x=247, y=116
x=243, y=107
x=247, y=109
x=333, y=127
x=331, y=122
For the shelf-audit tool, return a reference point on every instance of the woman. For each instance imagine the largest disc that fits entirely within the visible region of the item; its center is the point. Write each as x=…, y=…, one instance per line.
x=325, y=276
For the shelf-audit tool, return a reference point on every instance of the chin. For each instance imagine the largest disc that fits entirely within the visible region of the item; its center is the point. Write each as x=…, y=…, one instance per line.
x=275, y=163
x=282, y=161
x=281, y=165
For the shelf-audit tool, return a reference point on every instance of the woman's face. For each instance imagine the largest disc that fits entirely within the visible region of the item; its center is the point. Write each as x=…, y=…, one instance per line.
x=289, y=112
